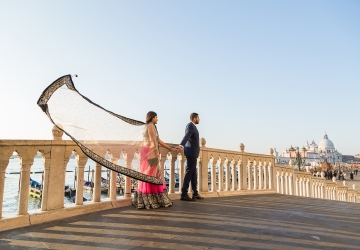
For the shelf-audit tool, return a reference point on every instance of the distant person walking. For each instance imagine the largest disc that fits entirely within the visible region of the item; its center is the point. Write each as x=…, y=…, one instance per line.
x=351, y=176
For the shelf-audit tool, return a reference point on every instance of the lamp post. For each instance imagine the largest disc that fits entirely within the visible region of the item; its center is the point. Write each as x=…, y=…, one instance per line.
x=299, y=157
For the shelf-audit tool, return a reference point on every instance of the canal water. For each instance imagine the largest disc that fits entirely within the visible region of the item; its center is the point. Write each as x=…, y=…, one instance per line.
x=12, y=176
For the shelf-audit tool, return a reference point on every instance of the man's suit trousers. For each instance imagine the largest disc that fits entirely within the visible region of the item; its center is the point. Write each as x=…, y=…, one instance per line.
x=190, y=176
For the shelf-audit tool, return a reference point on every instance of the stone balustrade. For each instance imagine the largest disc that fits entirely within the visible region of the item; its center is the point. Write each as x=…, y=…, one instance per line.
x=292, y=182
x=220, y=173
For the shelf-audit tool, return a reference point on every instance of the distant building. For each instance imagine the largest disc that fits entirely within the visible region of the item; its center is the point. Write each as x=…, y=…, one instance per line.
x=350, y=158
x=325, y=152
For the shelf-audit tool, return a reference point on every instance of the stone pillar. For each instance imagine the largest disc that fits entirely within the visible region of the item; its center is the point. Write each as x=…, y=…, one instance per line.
x=203, y=172
x=127, y=190
x=270, y=176
x=212, y=174
x=249, y=175
x=198, y=174
x=255, y=175
x=112, y=187
x=221, y=176
x=277, y=182
x=260, y=176
x=227, y=177
x=239, y=174
x=282, y=183
x=97, y=183
x=307, y=187
x=80, y=180
x=322, y=191
x=265, y=175
x=304, y=187
x=233, y=175
x=286, y=184
x=24, y=187
x=296, y=186
x=171, y=173
x=300, y=187
x=3, y=166
x=291, y=184
x=181, y=161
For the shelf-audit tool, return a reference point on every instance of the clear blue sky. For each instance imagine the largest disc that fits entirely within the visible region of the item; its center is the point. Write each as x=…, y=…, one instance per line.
x=265, y=73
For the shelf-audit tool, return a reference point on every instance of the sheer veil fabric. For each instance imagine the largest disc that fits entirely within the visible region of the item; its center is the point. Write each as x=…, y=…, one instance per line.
x=95, y=129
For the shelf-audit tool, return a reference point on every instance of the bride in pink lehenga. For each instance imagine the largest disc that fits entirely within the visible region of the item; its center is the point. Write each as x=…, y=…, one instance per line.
x=151, y=195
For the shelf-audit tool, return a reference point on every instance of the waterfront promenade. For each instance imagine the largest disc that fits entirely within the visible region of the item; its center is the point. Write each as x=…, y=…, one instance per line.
x=269, y=221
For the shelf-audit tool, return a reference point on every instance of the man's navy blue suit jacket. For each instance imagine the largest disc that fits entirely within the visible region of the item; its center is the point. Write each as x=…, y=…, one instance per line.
x=191, y=141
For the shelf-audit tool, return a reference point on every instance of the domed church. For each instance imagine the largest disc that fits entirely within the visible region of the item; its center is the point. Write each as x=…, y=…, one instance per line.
x=324, y=152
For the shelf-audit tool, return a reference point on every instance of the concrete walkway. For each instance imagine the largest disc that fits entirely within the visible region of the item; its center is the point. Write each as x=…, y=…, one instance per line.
x=270, y=221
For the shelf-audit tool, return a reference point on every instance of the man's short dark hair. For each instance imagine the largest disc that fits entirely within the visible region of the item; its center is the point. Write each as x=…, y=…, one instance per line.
x=193, y=116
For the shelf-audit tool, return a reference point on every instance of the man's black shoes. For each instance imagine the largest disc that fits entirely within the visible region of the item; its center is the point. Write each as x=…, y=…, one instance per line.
x=186, y=198
x=197, y=197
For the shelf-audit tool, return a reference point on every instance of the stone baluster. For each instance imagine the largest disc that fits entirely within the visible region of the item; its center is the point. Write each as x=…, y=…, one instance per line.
x=172, y=173
x=300, y=186
x=286, y=183
x=45, y=184
x=24, y=186
x=249, y=175
x=113, y=187
x=80, y=166
x=3, y=166
x=313, y=189
x=291, y=184
x=317, y=190
x=97, y=183
x=233, y=175
x=322, y=190
x=181, y=162
x=327, y=193
x=277, y=181
x=282, y=182
x=127, y=191
x=304, y=187
x=260, y=176
x=255, y=175
x=307, y=187
x=239, y=174
x=227, y=176
x=265, y=175
x=296, y=186
x=221, y=175
x=212, y=174
x=113, y=177
x=218, y=163
x=270, y=175
x=198, y=174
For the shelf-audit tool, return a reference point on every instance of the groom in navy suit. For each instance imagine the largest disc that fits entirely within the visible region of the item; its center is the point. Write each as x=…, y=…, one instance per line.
x=191, y=146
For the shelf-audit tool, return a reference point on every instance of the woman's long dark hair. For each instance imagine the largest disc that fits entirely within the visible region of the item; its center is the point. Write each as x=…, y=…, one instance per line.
x=149, y=116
